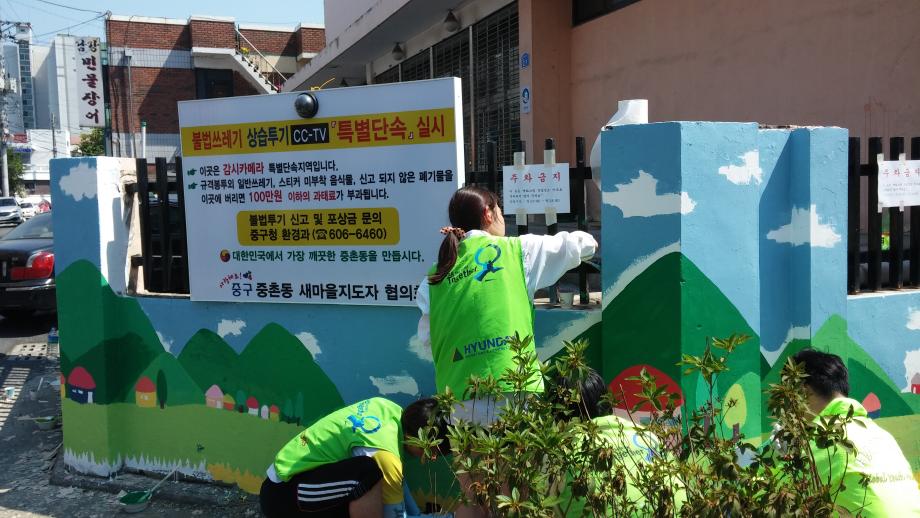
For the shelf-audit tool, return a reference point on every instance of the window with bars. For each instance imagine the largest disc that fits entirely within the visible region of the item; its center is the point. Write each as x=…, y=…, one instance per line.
x=496, y=85
x=417, y=67
x=391, y=75
x=491, y=90
x=451, y=58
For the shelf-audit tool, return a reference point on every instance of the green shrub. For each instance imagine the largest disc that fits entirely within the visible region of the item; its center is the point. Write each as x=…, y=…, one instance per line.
x=540, y=460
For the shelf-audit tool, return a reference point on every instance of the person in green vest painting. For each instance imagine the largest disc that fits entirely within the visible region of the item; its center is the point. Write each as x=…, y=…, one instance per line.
x=891, y=490
x=346, y=464
x=481, y=291
x=629, y=444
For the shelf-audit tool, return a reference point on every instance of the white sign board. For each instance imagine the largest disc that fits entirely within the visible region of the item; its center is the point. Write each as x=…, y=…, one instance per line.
x=341, y=208
x=536, y=188
x=899, y=183
x=89, y=89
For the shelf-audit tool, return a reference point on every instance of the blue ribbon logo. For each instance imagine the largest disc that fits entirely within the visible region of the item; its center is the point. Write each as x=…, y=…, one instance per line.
x=361, y=422
x=488, y=266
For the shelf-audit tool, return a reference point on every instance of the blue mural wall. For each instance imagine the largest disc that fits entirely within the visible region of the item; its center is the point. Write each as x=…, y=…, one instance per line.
x=708, y=229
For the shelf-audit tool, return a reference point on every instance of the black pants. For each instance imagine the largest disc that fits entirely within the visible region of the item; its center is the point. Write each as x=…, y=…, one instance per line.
x=325, y=491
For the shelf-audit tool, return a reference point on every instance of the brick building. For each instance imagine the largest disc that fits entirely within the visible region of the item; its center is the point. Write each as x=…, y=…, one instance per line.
x=156, y=62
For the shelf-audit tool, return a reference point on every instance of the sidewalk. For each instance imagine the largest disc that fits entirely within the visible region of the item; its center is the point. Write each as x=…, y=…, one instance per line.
x=30, y=460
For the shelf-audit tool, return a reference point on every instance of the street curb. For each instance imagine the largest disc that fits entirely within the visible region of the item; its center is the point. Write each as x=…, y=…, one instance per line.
x=192, y=493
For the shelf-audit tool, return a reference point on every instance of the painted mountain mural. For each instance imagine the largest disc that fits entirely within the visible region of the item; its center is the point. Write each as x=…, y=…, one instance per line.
x=122, y=357
x=866, y=376
x=274, y=369
x=645, y=326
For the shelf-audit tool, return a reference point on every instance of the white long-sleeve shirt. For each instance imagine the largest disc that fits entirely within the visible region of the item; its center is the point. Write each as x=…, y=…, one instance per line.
x=546, y=259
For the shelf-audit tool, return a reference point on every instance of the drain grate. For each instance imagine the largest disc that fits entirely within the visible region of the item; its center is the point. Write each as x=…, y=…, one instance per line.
x=27, y=352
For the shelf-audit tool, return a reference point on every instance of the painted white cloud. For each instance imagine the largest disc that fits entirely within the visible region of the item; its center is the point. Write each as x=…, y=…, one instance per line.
x=230, y=327
x=805, y=226
x=911, y=366
x=167, y=343
x=418, y=348
x=794, y=333
x=639, y=198
x=748, y=171
x=913, y=319
x=396, y=384
x=80, y=182
x=310, y=343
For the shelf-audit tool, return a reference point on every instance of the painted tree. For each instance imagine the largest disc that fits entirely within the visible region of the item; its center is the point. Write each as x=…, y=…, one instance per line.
x=298, y=408
x=287, y=411
x=241, y=401
x=161, y=388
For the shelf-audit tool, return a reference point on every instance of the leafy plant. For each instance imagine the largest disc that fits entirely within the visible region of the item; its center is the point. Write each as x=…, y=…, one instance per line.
x=540, y=458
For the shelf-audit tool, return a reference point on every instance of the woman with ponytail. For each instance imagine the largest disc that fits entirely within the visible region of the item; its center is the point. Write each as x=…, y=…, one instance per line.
x=480, y=293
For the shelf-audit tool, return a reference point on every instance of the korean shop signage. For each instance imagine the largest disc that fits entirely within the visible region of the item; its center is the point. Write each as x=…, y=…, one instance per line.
x=89, y=85
x=342, y=208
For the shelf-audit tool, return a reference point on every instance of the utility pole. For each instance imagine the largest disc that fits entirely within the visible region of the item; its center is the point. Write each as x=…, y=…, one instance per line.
x=4, y=89
x=53, y=138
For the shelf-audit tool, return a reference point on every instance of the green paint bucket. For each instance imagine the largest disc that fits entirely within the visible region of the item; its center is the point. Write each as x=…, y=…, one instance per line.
x=137, y=501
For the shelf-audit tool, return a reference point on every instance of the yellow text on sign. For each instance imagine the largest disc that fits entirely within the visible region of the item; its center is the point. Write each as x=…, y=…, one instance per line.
x=348, y=131
x=354, y=227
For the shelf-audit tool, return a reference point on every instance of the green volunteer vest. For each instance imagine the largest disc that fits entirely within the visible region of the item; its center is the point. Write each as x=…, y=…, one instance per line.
x=892, y=490
x=475, y=309
x=632, y=450
x=372, y=423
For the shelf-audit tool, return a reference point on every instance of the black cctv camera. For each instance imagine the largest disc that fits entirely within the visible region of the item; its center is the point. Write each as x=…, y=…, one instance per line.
x=306, y=105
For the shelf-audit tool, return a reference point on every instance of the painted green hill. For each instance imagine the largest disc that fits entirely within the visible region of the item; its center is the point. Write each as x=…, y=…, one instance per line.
x=865, y=374
x=646, y=325
x=180, y=389
x=275, y=368
x=116, y=364
x=275, y=354
x=209, y=360
x=83, y=297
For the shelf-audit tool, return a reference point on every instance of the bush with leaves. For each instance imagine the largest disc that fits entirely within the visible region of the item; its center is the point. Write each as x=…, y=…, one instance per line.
x=541, y=459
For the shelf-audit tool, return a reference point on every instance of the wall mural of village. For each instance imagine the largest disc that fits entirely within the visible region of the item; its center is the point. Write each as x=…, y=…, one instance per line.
x=152, y=383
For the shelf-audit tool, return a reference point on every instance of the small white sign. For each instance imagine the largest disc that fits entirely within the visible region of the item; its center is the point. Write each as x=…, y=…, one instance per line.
x=89, y=89
x=536, y=188
x=899, y=183
x=525, y=99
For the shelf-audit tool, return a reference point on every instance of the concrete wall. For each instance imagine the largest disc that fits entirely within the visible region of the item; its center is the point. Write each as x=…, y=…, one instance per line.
x=844, y=63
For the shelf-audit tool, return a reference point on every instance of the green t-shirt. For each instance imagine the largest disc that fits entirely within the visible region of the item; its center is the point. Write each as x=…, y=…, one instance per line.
x=892, y=490
x=632, y=448
x=372, y=423
x=481, y=303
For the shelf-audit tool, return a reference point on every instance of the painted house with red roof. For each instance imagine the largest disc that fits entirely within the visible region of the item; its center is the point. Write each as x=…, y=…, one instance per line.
x=253, y=405
x=145, y=393
x=274, y=413
x=80, y=385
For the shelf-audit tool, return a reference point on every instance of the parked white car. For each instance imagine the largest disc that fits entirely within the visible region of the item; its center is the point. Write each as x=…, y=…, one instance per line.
x=28, y=210
x=9, y=211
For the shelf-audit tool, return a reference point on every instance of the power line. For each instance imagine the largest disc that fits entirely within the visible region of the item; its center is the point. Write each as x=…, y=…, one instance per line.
x=69, y=7
x=52, y=13
x=70, y=26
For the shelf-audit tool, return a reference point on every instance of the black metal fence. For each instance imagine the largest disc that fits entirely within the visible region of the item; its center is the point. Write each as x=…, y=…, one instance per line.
x=162, y=218
x=877, y=258
x=578, y=175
